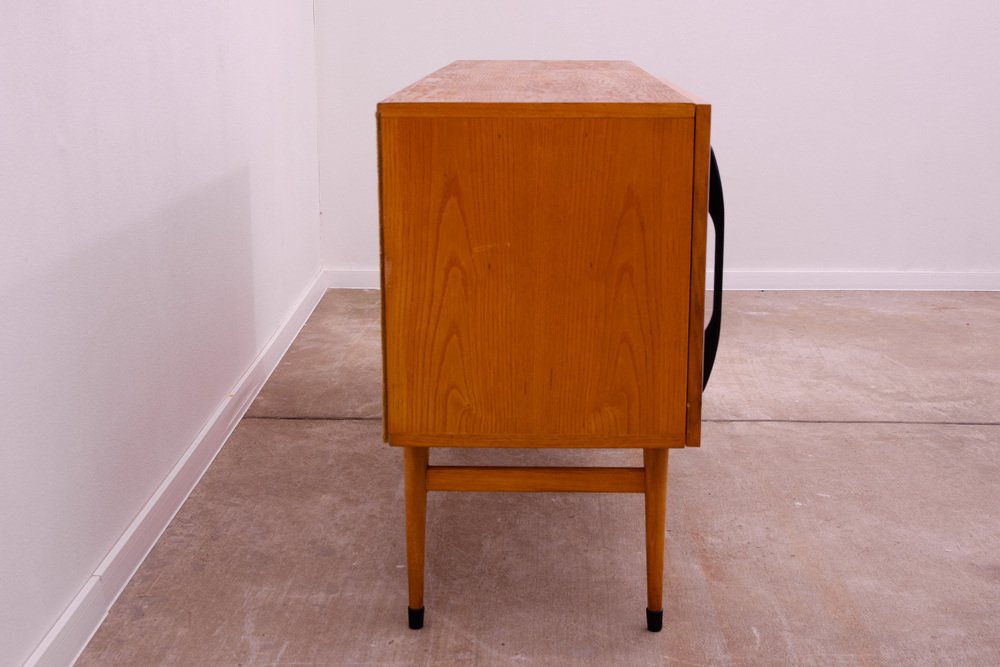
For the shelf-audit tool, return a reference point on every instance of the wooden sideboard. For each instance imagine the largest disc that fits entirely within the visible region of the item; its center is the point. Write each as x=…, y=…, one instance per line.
x=542, y=231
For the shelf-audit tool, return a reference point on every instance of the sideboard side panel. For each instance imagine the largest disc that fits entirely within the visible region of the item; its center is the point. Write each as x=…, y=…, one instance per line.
x=537, y=279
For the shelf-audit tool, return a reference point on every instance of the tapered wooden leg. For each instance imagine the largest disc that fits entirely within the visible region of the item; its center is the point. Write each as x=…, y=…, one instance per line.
x=415, y=489
x=655, y=466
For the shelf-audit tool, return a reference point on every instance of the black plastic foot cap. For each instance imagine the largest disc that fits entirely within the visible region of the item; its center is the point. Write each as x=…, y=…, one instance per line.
x=654, y=620
x=417, y=618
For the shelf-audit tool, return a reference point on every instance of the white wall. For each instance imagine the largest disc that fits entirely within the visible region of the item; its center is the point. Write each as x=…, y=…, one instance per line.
x=855, y=137
x=158, y=212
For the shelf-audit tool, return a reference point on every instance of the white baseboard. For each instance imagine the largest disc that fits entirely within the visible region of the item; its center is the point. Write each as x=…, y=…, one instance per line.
x=859, y=280
x=777, y=280
x=78, y=623
x=352, y=278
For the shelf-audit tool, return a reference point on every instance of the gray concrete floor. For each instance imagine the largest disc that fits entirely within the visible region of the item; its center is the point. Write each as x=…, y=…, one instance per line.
x=841, y=511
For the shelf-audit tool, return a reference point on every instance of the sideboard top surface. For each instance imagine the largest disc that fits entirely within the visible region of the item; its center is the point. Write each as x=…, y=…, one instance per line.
x=515, y=85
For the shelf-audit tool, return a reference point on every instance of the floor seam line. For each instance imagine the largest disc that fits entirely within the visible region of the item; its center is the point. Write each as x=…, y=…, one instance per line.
x=316, y=419
x=900, y=422
x=889, y=422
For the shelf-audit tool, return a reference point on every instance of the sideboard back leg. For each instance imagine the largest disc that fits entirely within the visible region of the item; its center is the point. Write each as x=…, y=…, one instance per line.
x=655, y=466
x=415, y=489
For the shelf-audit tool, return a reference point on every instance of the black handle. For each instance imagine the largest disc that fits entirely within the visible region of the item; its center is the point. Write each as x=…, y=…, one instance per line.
x=717, y=210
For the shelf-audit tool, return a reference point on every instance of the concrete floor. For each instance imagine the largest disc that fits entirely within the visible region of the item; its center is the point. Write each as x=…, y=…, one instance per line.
x=843, y=510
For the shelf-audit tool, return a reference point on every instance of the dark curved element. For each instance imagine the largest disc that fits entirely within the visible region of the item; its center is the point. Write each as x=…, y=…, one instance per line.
x=416, y=618
x=654, y=620
x=717, y=210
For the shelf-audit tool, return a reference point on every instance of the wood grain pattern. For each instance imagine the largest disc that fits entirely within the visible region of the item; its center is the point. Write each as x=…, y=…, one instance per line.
x=381, y=278
x=699, y=217
x=655, y=464
x=540, y=81
x=547, y=440
x=536, y=279
x=537, y=479
x=415, y=491
x=537, y=110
